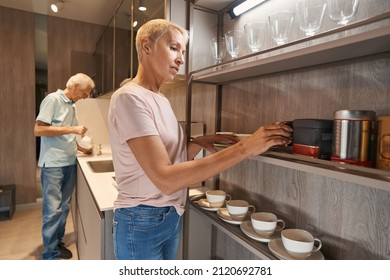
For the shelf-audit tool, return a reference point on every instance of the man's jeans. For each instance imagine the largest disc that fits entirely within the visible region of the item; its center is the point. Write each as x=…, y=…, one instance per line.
x=58, y=184
x=146, y=233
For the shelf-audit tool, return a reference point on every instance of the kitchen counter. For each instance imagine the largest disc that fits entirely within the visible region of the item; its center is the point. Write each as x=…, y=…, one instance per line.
x=100, y=184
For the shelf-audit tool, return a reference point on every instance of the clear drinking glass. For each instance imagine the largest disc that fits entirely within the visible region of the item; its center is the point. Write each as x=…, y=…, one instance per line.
x=218, y=48
x=233, y=40
x=280, y=24
x=255, y=35
x=310, y=15
x=342, y=11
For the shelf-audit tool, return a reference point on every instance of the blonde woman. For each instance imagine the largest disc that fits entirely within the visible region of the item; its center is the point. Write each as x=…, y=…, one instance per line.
x=152, y=159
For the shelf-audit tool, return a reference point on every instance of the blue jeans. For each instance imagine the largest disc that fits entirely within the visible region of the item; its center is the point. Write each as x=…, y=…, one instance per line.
x=58, y=184
x=146, y=233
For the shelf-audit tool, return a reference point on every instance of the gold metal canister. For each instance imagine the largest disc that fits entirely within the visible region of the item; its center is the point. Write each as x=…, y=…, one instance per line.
x=383, y=147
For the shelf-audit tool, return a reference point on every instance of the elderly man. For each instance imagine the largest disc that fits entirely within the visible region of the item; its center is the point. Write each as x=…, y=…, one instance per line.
x=57, y=125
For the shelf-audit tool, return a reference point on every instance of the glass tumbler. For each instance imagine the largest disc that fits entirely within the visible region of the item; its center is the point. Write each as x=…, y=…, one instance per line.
x=280, y=24
x=342, y=11
x=218, y=48
x=233, y=40
x=310, y=14
x=255, y=35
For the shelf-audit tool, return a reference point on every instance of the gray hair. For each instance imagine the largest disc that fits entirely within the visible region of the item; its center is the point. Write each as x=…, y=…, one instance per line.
x=154, y=30
x=82, y=80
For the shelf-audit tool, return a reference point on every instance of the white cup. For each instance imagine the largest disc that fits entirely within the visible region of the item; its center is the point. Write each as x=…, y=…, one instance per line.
x=238, y=209
x=217, y=198
x=264, y=223
x=300, y=243
x=280, y=24
x=310, y=14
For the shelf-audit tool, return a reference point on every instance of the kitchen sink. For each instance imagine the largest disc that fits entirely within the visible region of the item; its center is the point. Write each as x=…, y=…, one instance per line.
x=101, y=166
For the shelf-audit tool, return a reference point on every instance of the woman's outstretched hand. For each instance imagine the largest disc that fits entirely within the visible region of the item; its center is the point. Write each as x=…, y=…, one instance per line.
x=267, y=136
x=207, y=141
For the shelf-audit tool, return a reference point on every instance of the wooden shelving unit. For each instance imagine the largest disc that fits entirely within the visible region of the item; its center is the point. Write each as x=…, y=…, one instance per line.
x=363, y=38
x=360, y=39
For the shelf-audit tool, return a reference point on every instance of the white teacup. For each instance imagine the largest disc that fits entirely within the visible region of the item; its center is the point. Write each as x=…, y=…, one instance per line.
x=300, y=243
x=264, y=223
x=238, y=209
x=217, y=198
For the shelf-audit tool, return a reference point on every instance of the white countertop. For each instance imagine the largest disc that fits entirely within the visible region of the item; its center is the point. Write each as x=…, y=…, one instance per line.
x=100, y=184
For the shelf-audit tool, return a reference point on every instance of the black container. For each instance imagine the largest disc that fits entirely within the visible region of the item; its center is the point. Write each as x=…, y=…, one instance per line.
x=313, y=137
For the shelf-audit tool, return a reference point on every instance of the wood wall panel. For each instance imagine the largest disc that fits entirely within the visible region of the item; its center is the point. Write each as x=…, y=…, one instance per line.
x=228, y=249
x=203, y=99
x=17, y=106
x=316, y=92
x=65, y=36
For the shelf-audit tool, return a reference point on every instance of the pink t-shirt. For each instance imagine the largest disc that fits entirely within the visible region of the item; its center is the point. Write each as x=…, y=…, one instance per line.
x=135, y=112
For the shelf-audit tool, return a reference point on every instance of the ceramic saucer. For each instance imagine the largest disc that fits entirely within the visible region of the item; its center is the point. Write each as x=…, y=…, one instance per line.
x=224, y=215
x=204, y=204
x=277, y=248
x=248, y=229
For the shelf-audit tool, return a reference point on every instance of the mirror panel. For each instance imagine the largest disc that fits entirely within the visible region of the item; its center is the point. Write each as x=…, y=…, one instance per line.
x=103, y=56
x=115, y=55
x=123, y=22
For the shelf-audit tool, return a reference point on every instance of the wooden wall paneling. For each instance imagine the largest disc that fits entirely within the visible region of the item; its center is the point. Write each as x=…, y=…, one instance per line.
x=204, y=104
x=83, y=62
x=65, y=36
x=17, y=106
x=228, y=249
x=317, y=92
x=177, y=97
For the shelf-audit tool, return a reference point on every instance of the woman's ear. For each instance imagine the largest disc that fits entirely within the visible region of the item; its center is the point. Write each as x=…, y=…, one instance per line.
x=145, y=45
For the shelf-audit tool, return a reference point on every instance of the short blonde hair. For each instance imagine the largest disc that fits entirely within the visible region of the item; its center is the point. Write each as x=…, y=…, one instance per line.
x=154, y=30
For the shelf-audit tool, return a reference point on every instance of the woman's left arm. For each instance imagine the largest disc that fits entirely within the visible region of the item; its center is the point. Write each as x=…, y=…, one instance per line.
x=207, y=142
